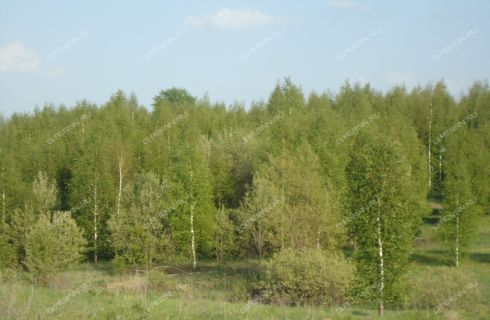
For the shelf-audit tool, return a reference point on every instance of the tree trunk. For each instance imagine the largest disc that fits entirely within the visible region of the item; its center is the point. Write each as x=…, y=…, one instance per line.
x=3, y=208
x=381, y=268
x=3, y=197
x=440, y=169
x=457, y=232
x=430, y=146
x=119, y=193
x=258, y=241
x=217, y=252
x=83, y=132
x=95, y=216
x=220, y=250
x=193, y=245
x=148, y=256
x=318, y=232
x=457, y=241
x=193, y=241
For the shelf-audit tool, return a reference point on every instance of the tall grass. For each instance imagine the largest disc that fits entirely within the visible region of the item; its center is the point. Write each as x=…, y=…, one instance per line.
x=223, y=291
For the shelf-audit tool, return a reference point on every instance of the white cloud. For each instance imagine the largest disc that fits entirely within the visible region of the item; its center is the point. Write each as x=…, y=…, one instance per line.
x=342, y=4
x=194, y=21
x=15, y=57
x=234, y=19
x=227, y=18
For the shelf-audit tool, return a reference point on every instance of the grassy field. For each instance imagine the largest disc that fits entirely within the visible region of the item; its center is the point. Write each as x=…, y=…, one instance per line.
x=219, y=291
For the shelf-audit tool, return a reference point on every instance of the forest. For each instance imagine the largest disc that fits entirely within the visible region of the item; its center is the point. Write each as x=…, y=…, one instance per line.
x=345, y=205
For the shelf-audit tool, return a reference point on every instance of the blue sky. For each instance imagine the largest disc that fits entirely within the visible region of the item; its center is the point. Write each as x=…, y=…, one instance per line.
x=60, y=51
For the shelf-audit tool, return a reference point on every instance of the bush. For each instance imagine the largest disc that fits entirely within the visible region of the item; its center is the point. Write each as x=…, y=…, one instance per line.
x=139, y=233
x=442, y=288
x=8, y=256
x=53, y=246
x=307, y=276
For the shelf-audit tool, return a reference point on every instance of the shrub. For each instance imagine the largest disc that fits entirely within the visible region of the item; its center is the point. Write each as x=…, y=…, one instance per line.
x=8, y=256
x=442, y=288
x=119, y=264
x=53, y=246
x=139, y=234
x=307, y=276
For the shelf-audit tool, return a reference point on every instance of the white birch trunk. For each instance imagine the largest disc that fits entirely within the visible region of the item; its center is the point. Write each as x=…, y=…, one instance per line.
x=381, y=268
x=457, y=231
x=440, y=168
x=3, y=208
x=318, y=232
x=258, y=239
x=95, y=216
x=119, y=193
x=193, y=241
x=193, y=244
x=457, y=241
x=3, y=197
x=430, y=147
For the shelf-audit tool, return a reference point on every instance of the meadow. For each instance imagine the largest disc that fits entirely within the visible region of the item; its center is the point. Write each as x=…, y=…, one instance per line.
x=223, y=291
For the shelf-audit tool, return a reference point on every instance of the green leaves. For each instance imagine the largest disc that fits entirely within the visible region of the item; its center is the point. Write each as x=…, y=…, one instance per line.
x=346, y=171
x=139, y=233
x=383, y=233
x=53, y=246
x=45, y=192
x=459, y=217
x=308, y=276
x=288, y=205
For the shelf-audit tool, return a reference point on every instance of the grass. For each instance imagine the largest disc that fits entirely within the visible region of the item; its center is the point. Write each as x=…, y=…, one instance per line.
x=216, y=291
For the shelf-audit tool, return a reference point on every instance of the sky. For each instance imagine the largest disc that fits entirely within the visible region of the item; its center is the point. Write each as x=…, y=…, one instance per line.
x=61, y=52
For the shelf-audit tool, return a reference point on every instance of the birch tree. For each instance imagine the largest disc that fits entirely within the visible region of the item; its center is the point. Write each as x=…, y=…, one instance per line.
x=289, y=206
x=139, y=232
x=191, y=214
x=458, y=221
x=120, y=167
x=45, y=193
x=92, y=194
x=379, y=180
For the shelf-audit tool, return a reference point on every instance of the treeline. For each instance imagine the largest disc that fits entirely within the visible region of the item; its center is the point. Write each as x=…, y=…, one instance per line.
x=194, y=179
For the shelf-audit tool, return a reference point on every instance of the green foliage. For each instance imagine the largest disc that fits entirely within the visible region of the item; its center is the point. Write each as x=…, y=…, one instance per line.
x=443, y=288
x=222, y=182
x=45, y=193
x=139, y=233
x=92, y=189
x=286, y=97
x=8, y=256
x=175, y=96
x=380, y=188
x=224, y=235
x=190, y=192
x=308, y=276
x=53, y=246
x=288, y=205
x=459, y=217
x=16, y=231
x=231, y=164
